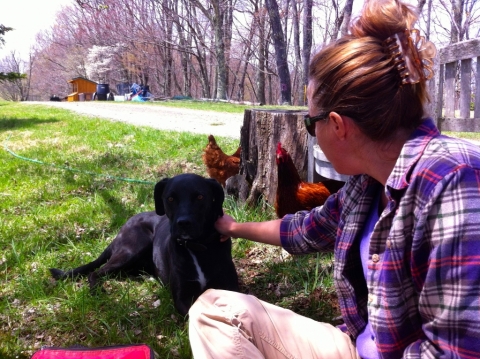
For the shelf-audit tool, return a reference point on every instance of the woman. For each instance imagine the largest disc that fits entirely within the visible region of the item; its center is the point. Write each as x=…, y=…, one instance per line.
x=405, y=229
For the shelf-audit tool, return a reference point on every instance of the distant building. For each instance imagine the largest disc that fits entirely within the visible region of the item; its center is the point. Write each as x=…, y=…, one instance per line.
x=82, y=89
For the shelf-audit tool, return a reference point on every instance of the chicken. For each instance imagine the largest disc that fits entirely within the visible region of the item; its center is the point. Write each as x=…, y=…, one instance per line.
x=293, y=194
x=220, y=166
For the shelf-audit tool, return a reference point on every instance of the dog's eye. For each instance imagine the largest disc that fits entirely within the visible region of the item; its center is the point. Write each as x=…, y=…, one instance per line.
x=170, y=199
x=199, y=196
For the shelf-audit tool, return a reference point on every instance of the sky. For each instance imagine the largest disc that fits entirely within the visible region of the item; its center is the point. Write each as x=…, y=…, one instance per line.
x=27, y=17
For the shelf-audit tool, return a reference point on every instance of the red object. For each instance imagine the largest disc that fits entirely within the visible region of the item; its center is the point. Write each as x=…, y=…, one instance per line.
x=132, y=351
x=293, y=194
x=220, y=166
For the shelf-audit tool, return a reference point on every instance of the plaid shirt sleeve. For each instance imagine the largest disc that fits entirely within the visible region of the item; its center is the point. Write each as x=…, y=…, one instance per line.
x=309, y=232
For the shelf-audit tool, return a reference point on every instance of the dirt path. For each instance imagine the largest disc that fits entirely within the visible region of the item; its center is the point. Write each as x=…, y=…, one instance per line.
x=164, y=118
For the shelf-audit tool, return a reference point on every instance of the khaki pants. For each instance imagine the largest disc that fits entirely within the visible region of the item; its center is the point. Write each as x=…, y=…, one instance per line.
x=227, y=324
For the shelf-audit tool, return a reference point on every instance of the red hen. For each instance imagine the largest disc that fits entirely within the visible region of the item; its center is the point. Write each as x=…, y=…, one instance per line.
x=220, y=166
x=293, y=194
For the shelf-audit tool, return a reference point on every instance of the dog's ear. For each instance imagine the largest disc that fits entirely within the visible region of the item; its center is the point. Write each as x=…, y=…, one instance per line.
x=157, y=196
x=218, y=197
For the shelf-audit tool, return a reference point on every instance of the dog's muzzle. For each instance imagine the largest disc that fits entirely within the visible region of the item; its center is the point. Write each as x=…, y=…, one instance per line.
x=194, y=246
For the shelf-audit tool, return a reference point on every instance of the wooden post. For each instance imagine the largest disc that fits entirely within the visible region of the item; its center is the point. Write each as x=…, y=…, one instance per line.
x=260, y=133
x=447, y=59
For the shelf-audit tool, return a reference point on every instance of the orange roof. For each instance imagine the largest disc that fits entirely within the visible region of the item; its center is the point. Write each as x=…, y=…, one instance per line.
x=81, y=78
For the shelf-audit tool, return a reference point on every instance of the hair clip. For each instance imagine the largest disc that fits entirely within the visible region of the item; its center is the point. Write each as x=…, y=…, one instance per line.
x=412, y=55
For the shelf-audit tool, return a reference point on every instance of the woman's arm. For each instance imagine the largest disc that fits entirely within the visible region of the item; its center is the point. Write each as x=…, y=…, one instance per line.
x=263, y=232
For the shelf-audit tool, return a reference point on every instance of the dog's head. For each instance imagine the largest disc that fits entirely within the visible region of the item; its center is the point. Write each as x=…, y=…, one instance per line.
x=192, y=204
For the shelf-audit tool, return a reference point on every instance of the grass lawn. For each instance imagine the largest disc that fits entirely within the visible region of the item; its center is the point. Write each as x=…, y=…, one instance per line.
x=218, y=106
x=67, y=184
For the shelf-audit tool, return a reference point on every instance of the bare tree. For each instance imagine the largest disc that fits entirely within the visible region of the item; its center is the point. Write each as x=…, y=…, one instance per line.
x=307, y=38
x=342, y=17
x=298, y=82
x=456, y=20
x=347, y=16
x=428, y=16
x=17, y=88
x=262, y=51
x=280, y=52
x=216, y=14
x=463, y=15
x=199, y=46
x=243, y=62
x=420, y=5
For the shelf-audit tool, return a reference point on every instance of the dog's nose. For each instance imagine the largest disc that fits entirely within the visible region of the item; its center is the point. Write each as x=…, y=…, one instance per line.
x=184, y=223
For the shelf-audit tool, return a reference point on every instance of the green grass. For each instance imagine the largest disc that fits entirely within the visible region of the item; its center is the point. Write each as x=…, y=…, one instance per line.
x=216, y=106
x=466, y=135
x=60, y=207
x=200, y=105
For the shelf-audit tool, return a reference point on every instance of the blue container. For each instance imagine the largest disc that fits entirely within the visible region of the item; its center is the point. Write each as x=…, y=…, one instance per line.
x=103, y=89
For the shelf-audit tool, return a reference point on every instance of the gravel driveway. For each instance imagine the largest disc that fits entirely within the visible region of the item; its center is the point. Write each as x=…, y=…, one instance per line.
x=163, y=118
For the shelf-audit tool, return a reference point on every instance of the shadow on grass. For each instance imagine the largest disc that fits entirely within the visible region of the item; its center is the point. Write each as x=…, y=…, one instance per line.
x=103, y=179
x=11, y=124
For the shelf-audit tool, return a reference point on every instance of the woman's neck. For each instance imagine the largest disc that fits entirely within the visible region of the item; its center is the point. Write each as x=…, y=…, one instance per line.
x=379, y=159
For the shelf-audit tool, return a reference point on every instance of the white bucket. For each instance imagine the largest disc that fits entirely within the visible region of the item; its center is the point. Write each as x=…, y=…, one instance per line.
x=324, y=168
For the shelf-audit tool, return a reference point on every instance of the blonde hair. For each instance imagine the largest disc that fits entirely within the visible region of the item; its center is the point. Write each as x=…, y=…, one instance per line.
x=354, y=76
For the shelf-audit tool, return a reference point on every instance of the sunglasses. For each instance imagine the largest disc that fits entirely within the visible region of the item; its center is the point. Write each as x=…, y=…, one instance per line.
x=310, y=122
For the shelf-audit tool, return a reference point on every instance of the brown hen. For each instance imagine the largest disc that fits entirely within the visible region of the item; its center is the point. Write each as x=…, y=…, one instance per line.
x=220, y=166
x=293, y=194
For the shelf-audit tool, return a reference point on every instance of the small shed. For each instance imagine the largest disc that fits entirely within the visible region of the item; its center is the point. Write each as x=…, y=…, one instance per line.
x=82, y=86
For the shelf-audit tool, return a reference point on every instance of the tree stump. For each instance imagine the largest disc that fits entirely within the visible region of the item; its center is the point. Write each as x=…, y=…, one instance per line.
x=260, y=133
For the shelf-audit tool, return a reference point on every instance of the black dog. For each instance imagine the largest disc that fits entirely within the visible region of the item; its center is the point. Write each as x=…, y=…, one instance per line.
x=177, y=243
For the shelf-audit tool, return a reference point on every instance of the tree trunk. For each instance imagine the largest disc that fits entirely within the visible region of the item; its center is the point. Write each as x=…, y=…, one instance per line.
x=228, y=33
x=261, y=131
x=456, y=22
x=168, y=61
x=197, y=47
x=428, y=20
x=307, y=43
x=280, y=52
x=221, y=70
x=260, y=75
x=347, y=15
x=298, y=57
x=216, y=18
x=420, y=5
x=342, y=18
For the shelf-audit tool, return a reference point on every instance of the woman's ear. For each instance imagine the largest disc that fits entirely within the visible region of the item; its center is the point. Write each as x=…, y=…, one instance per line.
x=339, y=126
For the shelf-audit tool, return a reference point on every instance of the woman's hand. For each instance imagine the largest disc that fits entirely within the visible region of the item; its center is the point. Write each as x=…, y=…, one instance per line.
x=263, y=232
x=224, y=226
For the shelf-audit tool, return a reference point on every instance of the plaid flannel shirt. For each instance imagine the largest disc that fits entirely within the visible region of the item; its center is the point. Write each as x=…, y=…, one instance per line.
x=422, y=292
